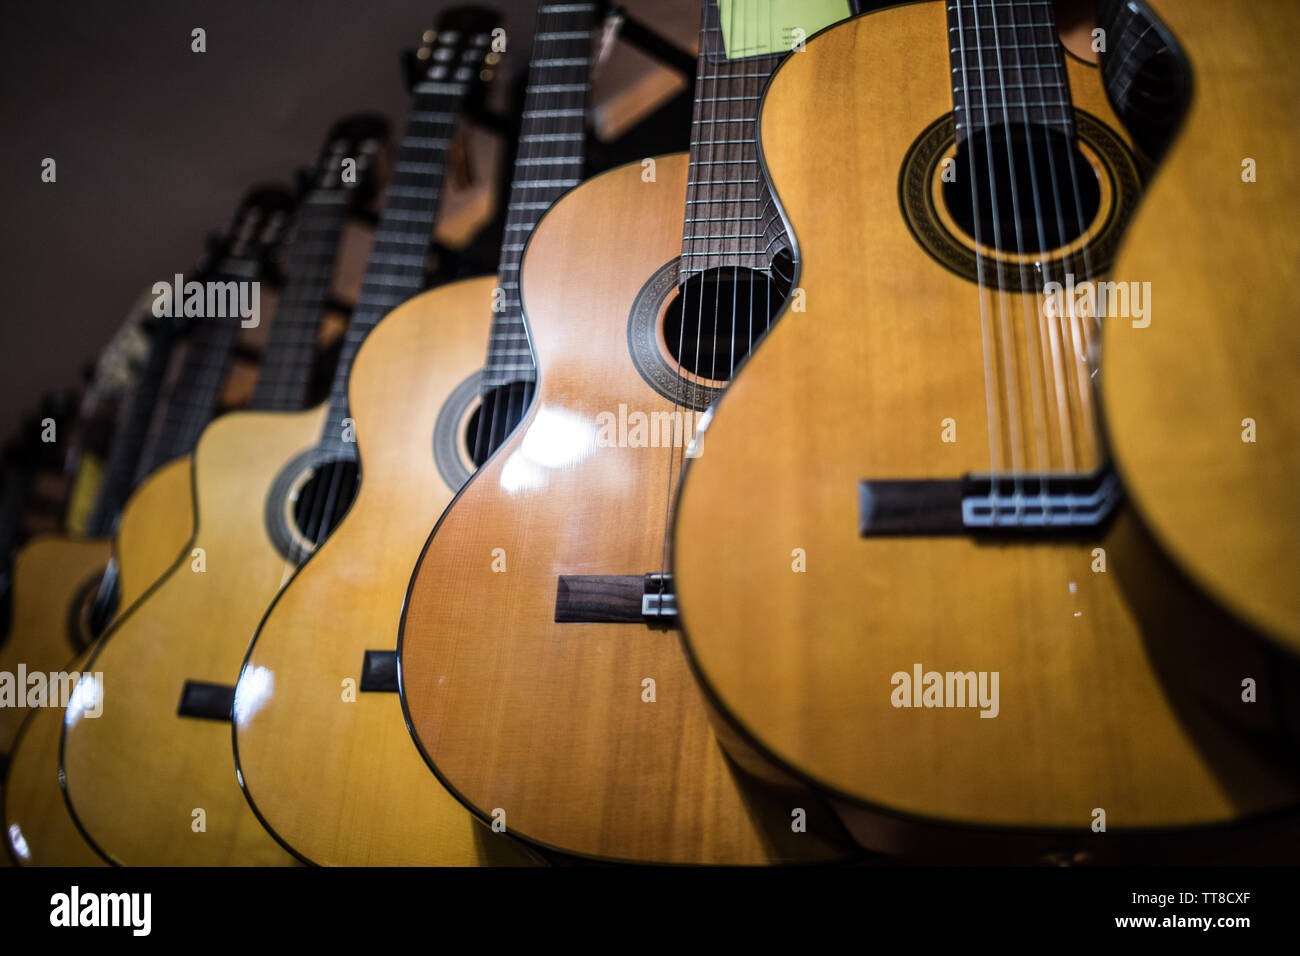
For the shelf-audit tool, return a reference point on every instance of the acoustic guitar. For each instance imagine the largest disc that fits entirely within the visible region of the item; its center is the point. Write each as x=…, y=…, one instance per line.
x=40, y=828
x=1220, y=499
x=538, y=667
x=316, y=709
x=131, y=537
x=66, y=586
x=906, y=569
x=101, y=759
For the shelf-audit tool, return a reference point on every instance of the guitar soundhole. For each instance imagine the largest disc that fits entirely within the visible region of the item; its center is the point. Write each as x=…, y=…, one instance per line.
x=719, y=315
x=1046, y=192
x=501, y=409
x=324, y=499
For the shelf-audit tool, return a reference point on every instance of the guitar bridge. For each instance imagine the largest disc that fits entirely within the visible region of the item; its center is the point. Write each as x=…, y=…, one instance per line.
x=615, y=599
x=1029, y=503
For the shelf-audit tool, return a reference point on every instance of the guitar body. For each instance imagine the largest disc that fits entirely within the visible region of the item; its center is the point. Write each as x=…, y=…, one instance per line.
x=1222, y=259
x=53, y=577
x=39, y=831
x=56, y=578
x=544, y=722
x=334, y=774
x=136, y=774
x=863, y=384
x=155, y=526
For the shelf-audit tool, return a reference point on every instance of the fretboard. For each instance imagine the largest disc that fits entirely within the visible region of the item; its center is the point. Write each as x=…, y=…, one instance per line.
x=549, y=163
x=731, y=217
x=398, y=258
x=130, y=433
x=285, y=368
x=1007, y=66
x=193, y=400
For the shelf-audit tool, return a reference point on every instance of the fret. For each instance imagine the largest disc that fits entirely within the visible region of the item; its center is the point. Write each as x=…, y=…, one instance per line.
x=992, y=77
x=550, y=162
x=555, y=113
x=407, y=221
x=725, y=179
x=546, y=184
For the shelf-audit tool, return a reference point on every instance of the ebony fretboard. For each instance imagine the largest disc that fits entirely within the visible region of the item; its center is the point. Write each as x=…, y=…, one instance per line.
x=286, y=363
x=549, y=163
x=193, y=400
x=131, y=432
x=1007, y=66
x=731, y=217
x=396, y=268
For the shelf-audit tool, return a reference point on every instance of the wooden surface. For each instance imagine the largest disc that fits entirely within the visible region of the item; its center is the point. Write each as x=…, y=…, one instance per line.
x=49, y=572
x=341, y=781
x=859, y=386
x=155, y=524
x=546, y=722
x=1223, y=260
x=136, y=774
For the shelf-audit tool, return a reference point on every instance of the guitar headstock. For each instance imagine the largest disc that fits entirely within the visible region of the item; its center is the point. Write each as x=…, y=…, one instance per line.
x=257, y=232
x=361, y=139
x=458, y=49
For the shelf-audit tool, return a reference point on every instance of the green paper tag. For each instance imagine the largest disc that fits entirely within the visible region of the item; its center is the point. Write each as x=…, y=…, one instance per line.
x=760, y=27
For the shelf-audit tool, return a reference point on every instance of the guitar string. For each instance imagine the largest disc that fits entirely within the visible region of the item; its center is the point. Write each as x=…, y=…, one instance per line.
x=991, y=397
x=1039, y=423
x=731, y=231
x=1045, y=322
x=501, y=400
x=326, y=494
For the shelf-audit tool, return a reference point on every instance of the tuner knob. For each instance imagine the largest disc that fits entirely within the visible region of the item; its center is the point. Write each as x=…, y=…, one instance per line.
x=429, y=36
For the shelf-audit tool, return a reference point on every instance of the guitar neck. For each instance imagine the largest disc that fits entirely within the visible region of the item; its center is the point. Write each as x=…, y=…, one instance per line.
x=285, y=368
x=731, y=216
x=549, y=163
x=131, y=432
x=398, y=257
x=1007, y=66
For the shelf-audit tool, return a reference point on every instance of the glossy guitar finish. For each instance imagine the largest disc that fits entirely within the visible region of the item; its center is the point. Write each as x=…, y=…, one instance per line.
x=858, y=386
x=51, y=572
x=1223, y=262
x=337, y=779
x=156, y=524
x=545, y=721
x=55, y=578
x=136, y=773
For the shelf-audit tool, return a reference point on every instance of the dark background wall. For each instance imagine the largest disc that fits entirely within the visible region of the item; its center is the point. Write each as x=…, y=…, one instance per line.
x=155, y=144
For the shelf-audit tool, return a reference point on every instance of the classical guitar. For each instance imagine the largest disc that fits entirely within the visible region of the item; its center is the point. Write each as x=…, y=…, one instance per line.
x=1184, y=397
x=269, y=487
x=538, y=669
x=904, y=564
x=129, y=538
x=65, y=585
x=105, y=782
x=316, y=710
